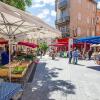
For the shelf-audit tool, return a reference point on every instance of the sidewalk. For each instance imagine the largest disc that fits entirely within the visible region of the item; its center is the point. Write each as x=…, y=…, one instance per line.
x=58, y=80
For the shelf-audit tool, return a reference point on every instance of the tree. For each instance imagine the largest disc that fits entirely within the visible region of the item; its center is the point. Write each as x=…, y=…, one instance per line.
x=43, y=47
x=20, y=4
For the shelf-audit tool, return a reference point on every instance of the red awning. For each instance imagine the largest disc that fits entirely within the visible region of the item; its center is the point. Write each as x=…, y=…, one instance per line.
x=58, y=45
x=64, y=40
x=63, y=43
x=32, y=45
x=3, y=42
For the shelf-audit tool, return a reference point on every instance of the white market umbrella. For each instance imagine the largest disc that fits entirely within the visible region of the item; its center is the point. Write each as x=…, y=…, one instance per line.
x=16, y=24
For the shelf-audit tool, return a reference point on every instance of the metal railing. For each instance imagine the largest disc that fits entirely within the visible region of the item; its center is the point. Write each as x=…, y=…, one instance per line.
x=63, y=20
x=63, y=4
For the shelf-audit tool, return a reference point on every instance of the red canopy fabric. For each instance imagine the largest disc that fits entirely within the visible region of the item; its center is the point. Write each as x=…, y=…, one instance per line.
x=3, y=42
x=64, y=40
x=58, y=45
x=32, y=45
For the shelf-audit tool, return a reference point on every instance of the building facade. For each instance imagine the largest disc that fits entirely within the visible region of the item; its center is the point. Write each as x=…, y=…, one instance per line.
x=76, y=18
x=98, y=23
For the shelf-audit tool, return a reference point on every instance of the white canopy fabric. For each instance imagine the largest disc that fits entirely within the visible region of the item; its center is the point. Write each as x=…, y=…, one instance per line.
x=95, y=45
x=17, y=23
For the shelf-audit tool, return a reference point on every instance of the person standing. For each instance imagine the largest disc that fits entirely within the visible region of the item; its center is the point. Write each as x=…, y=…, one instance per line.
x=90, y=53
x=70, y=56
x=75, y=55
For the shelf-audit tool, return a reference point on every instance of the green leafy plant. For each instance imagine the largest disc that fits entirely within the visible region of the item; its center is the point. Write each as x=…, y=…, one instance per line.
x=43, y=46
x=18, y=70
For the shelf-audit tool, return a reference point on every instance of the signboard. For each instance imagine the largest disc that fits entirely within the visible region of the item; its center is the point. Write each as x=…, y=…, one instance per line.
x=70, y=44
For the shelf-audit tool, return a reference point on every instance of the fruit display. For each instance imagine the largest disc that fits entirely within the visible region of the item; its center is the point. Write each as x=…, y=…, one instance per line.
x=18, y=70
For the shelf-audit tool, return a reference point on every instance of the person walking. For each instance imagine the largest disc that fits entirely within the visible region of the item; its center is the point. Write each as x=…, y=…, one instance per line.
x=70, y=56
x=53, y=54
x=75, y=55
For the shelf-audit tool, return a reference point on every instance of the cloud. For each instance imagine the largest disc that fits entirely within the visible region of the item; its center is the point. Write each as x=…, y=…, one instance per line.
x=44, y=13
x=53, y=13
x=98, y=5
x=50, y=2
x=41, y=15
x=48, y=19
x=38, y=5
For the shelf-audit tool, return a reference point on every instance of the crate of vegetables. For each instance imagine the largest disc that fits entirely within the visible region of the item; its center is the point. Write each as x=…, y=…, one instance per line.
x=18, y=70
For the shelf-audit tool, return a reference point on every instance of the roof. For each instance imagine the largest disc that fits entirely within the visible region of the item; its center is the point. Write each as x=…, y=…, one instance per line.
x=17, y=22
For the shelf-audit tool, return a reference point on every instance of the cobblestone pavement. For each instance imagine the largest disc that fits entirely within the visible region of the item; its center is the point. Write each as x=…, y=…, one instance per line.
x=58, y=80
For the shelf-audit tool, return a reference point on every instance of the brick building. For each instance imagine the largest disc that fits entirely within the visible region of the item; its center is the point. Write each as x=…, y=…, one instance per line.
x=98, y=23
x=76, y=18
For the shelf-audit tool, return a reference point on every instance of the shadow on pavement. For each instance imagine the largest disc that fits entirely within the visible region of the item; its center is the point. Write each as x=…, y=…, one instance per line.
x=45, y=84
x=97, y=68
x=80, y=64
x=77, y=64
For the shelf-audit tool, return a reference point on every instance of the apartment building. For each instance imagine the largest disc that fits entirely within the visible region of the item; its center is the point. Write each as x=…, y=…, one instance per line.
x=76, y=18
x=98, y=23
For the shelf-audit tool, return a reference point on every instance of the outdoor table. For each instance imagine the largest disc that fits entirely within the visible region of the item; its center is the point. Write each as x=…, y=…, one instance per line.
x=12, y=64
x=8, y=90
x=4, y=72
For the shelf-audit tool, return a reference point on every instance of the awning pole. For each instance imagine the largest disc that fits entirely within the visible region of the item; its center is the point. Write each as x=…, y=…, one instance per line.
x=85, y=46
x=9, y=60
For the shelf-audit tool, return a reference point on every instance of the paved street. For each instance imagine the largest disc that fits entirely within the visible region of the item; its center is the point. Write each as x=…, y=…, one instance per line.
x=58, y=80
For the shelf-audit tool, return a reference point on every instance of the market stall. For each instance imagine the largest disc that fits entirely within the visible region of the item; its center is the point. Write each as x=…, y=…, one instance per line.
x=94, y=41
x=96, y=53
x=17, y=25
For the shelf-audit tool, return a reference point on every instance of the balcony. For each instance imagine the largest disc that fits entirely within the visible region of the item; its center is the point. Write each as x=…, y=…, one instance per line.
x=55, y=6
x=63, y=20
x=65, y=32
x=63, y=4
x=64, y=35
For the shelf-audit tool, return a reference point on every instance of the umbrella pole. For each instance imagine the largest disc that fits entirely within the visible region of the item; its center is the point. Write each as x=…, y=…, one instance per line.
x=9, y=60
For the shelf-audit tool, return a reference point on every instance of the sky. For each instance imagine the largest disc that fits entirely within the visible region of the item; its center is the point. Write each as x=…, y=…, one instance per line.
x=45, y=9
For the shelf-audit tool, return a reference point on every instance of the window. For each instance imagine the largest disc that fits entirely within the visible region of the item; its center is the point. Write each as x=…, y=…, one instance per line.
x=79, y=16
x=93, y=21
x=98, y=19
x=78, y=31
x=88, y=6
x=93, y=33
x=88, y=20
x=58, y=15
x=63, y=29
x=88, y=33
x=64, y=13
x=98, y=29
x=80, y=1
x=94, y=8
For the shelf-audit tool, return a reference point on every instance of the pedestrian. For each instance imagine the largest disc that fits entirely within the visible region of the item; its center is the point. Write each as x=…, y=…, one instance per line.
x=53, y=54
x=40, y=54
x=70, y=56
x=90, y=54
x=75, y=55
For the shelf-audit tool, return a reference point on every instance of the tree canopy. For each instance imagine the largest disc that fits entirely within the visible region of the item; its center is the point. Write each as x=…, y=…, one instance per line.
x=20, y=4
